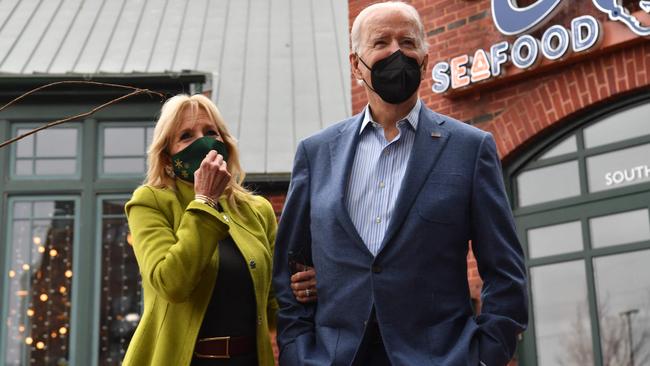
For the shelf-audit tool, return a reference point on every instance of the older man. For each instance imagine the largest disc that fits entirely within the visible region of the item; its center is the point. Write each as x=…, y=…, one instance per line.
x=383, y=205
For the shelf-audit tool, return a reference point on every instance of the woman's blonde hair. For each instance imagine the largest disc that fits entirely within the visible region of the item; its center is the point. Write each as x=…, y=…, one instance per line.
x=159, y=159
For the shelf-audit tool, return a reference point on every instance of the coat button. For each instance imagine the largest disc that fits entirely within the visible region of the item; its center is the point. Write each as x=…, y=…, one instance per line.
x=376, y=269
x=252, y=264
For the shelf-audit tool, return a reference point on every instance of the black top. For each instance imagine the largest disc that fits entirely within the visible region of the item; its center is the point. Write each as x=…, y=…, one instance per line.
x=232, y=308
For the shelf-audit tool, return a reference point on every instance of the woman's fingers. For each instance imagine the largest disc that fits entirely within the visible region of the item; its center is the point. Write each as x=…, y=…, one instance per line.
x=212, y=177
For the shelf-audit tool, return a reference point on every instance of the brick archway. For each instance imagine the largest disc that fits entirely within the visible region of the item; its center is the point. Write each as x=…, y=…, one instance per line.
x=556, y=98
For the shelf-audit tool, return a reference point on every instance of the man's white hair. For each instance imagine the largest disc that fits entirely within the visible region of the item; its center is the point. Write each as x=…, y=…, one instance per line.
x=355, y=33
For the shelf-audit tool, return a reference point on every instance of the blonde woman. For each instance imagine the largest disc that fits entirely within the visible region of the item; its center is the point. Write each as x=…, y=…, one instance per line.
x=204, y=245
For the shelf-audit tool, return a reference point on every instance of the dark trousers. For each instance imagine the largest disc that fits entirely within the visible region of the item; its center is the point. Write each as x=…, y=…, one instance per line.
x=372, y=351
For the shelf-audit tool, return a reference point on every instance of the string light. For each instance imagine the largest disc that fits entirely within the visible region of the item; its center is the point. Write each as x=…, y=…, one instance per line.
x=68, y=273
x=62, y=289
x=12, y=273
x=40, y=345
x=30, y=312
x=43, y=297
x=26, y=267
x=29, y=340
x=53, y=253
x=41, y=249
x=37, y=240
x=63, y=330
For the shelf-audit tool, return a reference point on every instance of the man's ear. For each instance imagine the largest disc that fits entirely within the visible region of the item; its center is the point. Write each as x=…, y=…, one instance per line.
x=425, y=63
x=354, y=64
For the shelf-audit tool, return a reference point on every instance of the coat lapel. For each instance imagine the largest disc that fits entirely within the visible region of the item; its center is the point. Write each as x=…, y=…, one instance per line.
x=430, y=140
x=342, y=151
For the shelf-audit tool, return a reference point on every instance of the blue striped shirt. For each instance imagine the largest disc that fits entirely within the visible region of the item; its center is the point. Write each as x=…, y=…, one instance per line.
x=377, y=173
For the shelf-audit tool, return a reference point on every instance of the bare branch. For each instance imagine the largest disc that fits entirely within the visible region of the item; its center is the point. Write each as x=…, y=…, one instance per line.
x=135, y=92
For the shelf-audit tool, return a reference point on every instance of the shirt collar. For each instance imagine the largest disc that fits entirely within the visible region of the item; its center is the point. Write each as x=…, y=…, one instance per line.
x=412, y=117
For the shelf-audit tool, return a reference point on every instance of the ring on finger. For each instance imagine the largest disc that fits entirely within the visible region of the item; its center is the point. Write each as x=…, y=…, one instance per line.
x=307, y=293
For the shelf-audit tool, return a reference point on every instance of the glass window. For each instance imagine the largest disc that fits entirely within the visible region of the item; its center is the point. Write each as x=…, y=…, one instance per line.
x=620, y=228
x=555, y=239
x=120, y=305
x=124, y=148
x=561, y=314
x=569, y=145
x=621, y=126
x=619, y=168
x=39, y=282
x=623, y=294
x=50, y=152
x=548, y=183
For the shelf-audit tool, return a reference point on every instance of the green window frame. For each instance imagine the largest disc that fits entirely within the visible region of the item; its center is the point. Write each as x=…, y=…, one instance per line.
x=103, y=157
x=34, y=158
x=124, y=323
x=8, y=275
x=581, y=211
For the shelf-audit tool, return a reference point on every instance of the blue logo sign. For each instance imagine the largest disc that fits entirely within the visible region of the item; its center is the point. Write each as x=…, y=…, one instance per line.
x=511, y=19
x=618, y=12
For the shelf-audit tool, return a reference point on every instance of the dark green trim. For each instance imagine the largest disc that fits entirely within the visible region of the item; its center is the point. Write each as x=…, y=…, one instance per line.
x=581, y=208
x=32, y=125
x=101, y=132
x=166, y=83
x=97, y=262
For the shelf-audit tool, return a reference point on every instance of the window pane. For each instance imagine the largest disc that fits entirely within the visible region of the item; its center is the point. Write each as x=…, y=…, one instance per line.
x=22, y=210
x=56, y=166
x=623, y=293
x=24, y=167
x=555, y=239
x=56, y=142
x=124, y=165
x=567, y=146
x=121, y=286
x=39, y=282
x=619, y=127
x=123, y=141
x=548, y=183
x=561, y=314
x=621, y=228
x=149, y=136
x=43, y=209
x=618, y=169
x=25, y=146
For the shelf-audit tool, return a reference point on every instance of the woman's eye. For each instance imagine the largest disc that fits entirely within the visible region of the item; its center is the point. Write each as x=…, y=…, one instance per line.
x=212, y=133
x=185, y=135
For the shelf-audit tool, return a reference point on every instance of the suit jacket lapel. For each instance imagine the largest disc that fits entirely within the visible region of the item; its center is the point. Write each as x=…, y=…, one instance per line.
x=430, y=140
x=342, y=151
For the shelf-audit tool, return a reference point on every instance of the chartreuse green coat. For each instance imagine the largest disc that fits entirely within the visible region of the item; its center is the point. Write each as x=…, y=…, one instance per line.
x=175, y=244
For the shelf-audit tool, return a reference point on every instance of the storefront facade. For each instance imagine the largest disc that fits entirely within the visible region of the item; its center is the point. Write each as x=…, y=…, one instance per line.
x=565, y=90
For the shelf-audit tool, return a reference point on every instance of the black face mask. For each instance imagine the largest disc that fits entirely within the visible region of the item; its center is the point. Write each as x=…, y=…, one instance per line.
x=395, y=78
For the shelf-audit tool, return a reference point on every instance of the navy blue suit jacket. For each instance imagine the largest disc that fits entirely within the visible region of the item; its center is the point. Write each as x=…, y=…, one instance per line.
x=452, y=193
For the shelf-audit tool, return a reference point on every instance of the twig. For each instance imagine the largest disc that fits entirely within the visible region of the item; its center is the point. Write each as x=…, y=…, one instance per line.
x=135, y=91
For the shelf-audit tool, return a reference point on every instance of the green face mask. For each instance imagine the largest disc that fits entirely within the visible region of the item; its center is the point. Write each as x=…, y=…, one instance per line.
x=188, y=160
